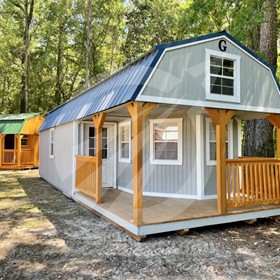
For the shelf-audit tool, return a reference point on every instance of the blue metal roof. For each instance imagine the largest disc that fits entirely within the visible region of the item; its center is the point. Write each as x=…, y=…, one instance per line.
x=119, y=88
x=125, y=85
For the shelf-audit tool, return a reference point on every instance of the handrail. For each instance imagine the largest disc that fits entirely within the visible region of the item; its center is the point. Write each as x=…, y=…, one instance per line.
x=252, y=180
x=252, y=160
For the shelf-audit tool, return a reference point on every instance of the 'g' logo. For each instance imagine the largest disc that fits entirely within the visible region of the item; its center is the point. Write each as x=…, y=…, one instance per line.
x=222, y=45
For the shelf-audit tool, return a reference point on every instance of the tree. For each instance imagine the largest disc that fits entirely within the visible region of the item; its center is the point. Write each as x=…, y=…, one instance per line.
x=149, y=23
x=25, y=13
x=259, y=132
x=88, y=41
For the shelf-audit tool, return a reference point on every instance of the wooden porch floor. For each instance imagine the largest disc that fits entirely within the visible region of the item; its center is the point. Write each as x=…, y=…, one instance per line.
x=158, y=210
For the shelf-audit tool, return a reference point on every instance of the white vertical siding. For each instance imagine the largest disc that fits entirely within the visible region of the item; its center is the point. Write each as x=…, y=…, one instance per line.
x=181, y=76
x=172, y=179
x=166, y=179
x=124, y=175
x=58, y=170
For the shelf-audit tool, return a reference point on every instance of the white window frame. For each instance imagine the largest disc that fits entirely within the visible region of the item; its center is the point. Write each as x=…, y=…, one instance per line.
x=51, y=147
x=124, y=124
x=236, y=85
x=179, y=161
x=230, y=141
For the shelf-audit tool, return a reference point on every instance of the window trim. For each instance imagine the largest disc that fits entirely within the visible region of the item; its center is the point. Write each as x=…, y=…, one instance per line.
x=123, y=124
x=24, y=137
x=51, y=150
x=236, y=85
x=207, y=148
x=179, y=161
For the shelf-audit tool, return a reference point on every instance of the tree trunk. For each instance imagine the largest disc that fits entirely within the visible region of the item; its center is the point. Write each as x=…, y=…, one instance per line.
x=27, y=10
x=59, y=67
x=259, y=132
x=88, y=42
x=268, y=35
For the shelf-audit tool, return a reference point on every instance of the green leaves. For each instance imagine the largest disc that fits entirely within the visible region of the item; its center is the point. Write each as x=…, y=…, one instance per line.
x=120, y=31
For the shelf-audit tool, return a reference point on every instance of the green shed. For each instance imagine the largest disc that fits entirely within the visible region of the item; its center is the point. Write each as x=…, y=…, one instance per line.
x=19, y=140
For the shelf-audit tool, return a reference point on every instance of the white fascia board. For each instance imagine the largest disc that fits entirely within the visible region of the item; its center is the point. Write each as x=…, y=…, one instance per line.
x=198, y=103
x=195, y=223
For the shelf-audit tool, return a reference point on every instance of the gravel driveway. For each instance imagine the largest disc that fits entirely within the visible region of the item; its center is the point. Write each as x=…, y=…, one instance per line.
x=45, y=235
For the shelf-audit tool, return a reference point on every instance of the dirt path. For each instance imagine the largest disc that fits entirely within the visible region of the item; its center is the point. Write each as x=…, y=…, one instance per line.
x=45, y=235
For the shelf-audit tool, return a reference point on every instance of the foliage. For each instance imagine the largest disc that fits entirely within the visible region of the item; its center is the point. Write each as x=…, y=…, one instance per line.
x=120, y=31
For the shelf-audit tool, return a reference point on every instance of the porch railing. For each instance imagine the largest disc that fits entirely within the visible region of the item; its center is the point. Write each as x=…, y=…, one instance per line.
x=86, y=174
x=252, y=181
x=9, y=156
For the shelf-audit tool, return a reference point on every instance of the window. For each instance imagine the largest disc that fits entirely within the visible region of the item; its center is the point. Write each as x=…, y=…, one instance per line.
x=222, y=76
x=24, y=140
x=92, y=142
x=166, y=141
x=211, y=142
x=51, y=143
x=125, y=142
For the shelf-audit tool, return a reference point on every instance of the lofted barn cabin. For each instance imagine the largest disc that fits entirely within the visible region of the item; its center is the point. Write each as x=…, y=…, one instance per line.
x=19, y=140
x=156, y=146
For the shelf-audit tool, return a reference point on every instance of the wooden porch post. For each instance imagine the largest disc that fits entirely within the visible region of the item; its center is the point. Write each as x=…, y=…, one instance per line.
x=98, y=121
x=275, y=120
x=138, y=112
x=1, y=147
x=220, y=118
x=36, y=150
x=19, y=149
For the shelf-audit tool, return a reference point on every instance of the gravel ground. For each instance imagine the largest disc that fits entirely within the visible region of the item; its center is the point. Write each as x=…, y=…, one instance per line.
x=45, y=235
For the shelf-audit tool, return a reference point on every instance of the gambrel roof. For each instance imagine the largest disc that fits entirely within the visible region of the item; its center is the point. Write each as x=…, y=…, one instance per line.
x=125, y=85
x=13, y=123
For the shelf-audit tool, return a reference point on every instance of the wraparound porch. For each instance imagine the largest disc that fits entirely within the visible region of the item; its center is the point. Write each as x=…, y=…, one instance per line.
x=244, y=185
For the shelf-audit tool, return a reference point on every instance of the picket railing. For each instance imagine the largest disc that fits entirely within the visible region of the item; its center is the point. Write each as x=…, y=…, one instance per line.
x=252, y=181
x=9, y=156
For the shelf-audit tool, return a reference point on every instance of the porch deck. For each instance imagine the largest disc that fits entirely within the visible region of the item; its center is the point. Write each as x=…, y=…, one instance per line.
x=16, y=167
x=159, y=210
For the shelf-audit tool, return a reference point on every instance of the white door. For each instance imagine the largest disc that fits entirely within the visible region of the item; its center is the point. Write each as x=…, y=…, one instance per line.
x=108, y=151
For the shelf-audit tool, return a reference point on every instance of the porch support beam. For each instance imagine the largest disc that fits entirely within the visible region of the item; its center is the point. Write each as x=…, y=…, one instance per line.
x=221, y=118
x=1, y=147
x=36, y=150
x=19, y=149
x=98, y=121
x=274, y=119
x=138, y=112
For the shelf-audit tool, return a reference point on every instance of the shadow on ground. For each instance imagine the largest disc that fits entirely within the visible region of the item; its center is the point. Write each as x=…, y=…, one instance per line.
x=45, y=235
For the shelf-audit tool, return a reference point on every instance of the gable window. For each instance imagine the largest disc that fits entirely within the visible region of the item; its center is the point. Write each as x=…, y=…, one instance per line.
x=125, y=142
x=211, y=142
x=222, y=76
x=51, y=143
x=166, y=141
x=24, y=140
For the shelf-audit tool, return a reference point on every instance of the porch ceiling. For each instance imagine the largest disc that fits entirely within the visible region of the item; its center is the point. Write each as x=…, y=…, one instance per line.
x=245, y=115
x=121, y=113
